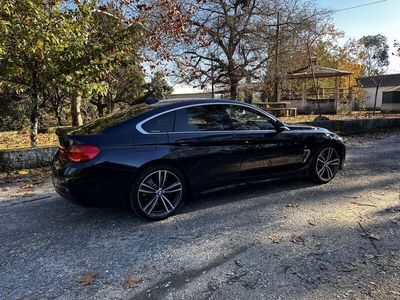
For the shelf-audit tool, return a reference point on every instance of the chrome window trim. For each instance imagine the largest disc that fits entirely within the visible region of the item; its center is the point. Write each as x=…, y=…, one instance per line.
x=141, y=130
x=219, y=131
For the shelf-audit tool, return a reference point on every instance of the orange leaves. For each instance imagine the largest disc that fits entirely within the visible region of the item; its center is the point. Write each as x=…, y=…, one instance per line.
x=132, y=281
x=87, y=278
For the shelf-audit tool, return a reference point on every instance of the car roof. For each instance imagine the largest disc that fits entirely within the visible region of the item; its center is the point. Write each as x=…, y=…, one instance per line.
x=172, y=103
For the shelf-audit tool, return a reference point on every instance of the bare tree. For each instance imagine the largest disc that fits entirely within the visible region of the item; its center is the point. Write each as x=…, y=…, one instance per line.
x=375, y=56
x=224, y=43
x=236, y=40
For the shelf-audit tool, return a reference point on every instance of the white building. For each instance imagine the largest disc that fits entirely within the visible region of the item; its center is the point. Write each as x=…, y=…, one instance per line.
x=387, y=84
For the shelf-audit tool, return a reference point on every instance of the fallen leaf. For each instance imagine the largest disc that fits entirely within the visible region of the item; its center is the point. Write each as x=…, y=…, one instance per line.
x=23, y=172
x=292, y=205
x=131, y=281
x=38, y=182
x=28, y=195
x=276, y=238
x=395, y=293
x=348, y=268
x=28, y=186
x=374, y=237
x=87, y=278
x=297, y=239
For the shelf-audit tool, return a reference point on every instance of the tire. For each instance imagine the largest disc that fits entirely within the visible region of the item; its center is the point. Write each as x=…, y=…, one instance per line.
x=158, y=192
x=325, y=164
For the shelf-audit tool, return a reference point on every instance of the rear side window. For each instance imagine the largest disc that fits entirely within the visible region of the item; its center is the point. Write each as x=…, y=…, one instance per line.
x=160, y=124
x=201, y=118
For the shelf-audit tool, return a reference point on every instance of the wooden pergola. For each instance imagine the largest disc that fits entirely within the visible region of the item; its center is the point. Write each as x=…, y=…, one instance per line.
x=316, y=72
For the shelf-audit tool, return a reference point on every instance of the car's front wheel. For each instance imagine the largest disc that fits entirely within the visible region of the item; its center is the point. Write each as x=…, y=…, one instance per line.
x=325, y=164
x=158, y=192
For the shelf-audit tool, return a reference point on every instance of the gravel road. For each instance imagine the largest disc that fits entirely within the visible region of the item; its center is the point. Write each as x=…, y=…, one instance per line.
x=275, y=240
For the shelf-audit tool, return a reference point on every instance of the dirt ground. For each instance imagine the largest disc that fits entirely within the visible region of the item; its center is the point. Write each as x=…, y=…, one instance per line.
x=275, y=240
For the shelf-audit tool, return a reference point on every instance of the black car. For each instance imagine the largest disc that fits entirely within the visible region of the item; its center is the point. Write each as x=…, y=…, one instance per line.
x=152, y=156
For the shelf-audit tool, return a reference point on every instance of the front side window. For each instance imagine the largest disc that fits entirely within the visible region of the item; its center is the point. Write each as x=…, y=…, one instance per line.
x=243, y=118
x=201, y=118
x=160, y=124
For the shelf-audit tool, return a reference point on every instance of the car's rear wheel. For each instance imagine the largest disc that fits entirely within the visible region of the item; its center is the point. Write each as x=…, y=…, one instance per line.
x=325, y=164
x=158, y=192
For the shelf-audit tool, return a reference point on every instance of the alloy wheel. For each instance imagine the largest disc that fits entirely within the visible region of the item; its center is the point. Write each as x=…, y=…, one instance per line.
x=327, y=164
x=159, y=193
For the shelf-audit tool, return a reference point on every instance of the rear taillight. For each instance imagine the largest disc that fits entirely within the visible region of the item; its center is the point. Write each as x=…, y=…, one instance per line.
x=79, y=153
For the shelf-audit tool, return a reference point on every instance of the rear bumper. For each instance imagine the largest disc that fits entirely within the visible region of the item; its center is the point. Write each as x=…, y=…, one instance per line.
x=89, y=191
x=61, y=187
x=95, y=185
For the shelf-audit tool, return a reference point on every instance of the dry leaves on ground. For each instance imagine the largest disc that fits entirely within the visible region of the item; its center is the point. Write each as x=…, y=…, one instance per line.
x=27, y=186
x=276, y=239
x=28, y=195
x=297, y=239
x=87, y=278
x=292, y=205
x=131, y=281
x=15, y=139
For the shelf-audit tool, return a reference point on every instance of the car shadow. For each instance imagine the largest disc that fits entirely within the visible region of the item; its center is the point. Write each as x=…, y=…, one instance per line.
x=242, y=192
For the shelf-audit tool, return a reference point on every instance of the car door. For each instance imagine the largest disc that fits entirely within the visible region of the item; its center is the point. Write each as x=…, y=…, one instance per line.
x=266, y=150
x=204, y=145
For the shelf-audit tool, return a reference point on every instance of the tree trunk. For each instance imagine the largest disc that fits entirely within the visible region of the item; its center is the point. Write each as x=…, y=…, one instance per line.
x=376, y=94
x=233, y=89
x=76, y=109
x=59, y=119
x=34, y=116
x=110, y=103
x=34, y=120
x=100, y=110
x=248, y=93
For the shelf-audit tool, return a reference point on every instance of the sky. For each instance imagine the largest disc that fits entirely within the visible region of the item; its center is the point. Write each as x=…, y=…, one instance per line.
x=372, y=19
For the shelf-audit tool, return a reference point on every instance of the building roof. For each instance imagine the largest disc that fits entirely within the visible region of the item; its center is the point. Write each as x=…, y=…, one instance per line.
x=319, y=72
x=393, y=89
x=387, y=80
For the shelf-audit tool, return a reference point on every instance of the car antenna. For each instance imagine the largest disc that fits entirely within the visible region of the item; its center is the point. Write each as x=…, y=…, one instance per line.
x=151, y=100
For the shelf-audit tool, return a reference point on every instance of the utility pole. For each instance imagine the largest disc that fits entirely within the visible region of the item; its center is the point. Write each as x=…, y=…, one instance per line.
x=310, y=60
x=212, y=76
x=276, y=69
